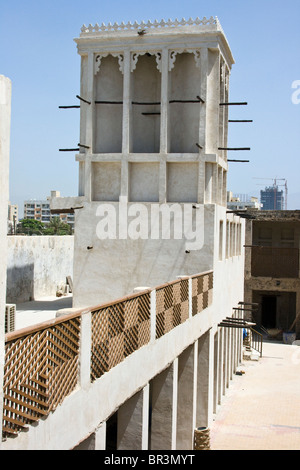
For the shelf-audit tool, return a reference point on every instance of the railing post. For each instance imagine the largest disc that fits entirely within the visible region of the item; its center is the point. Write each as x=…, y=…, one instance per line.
x=153, y=315
x=190, y=297
x=85, y=350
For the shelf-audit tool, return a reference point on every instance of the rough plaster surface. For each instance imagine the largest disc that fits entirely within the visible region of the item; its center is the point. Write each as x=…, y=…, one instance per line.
x=113, y=268
x=37, y=265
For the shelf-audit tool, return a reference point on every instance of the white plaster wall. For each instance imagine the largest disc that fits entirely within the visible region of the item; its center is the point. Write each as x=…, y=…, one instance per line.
x=146, y=87
x=185, y=84
x=182, y=182
x=112, y=268
x=212, y=102
x=5, y=117
x=144, y=182
x=106, y=181
x=228, y=273
x=109, y=87
x=37, y=265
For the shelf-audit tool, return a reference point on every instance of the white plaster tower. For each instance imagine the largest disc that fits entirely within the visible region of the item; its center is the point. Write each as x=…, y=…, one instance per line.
x=153, y=129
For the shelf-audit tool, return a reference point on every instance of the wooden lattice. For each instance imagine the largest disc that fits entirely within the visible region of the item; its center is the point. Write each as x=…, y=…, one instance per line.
x=41, y=369
x=41, y=365
x=202, y=287
x=172, y=306
x=117, y=331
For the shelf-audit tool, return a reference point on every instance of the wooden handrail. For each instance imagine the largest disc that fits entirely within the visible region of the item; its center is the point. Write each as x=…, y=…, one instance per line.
x=43, y=363
x=48, y=323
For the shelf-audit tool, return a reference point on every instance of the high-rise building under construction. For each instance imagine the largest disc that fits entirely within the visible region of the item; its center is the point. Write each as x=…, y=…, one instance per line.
x=271, y=198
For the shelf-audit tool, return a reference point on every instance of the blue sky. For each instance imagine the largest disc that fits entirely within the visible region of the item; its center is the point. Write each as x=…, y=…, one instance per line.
x=39, y=55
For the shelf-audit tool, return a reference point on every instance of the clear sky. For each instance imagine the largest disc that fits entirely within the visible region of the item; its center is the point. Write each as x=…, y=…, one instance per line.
x=39, y=55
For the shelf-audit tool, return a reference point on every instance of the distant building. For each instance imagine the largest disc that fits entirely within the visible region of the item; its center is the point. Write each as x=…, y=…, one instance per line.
x=241, y=202
x=272, y=277
x=40, y=210
x=12, y=218
x=271, y=198
x=12, y=212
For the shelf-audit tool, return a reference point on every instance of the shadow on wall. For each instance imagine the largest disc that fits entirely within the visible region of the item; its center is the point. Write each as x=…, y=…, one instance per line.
x=20, y=284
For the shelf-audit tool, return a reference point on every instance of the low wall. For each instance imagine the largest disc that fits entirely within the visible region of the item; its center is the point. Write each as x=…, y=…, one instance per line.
x=36, y=265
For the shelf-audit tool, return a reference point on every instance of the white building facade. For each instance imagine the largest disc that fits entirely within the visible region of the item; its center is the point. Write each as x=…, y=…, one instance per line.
x=158, y=261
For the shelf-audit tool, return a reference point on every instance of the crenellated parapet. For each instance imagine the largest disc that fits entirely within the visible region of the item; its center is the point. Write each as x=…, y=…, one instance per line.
x=204, y=23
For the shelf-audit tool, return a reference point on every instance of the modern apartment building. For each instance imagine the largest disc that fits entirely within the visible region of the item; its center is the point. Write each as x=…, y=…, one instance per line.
x=12, y=218
x=12, y=212
x=242, y=202
x=272, y=198
x=40, y=210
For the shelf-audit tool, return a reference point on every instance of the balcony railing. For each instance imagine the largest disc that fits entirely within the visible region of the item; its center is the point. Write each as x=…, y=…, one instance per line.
x=44, y=363
x=279, y=262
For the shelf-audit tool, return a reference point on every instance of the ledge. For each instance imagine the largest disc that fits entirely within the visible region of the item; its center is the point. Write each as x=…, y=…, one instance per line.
x=59, y=205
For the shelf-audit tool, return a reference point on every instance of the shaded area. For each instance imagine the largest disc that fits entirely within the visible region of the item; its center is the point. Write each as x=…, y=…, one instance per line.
x=20, y=283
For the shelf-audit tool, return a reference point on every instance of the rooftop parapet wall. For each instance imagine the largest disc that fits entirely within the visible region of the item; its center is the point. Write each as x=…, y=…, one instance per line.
x=204, y=23
x=156, y=28
x=37, y=265
x=274, y=216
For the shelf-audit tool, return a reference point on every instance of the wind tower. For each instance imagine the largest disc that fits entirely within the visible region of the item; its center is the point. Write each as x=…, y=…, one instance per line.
x=154, y=101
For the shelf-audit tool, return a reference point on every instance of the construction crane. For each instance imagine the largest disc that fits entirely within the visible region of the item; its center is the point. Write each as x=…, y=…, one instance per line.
x=275, y=186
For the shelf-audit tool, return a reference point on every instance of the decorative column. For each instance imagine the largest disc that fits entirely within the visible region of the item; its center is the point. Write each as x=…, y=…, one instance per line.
x=126, y=127
x=212, y=103
x=164, y=131
x=220, y=366
x=214, y=198
x=185, y=398
x=89, y=127
x=204, y=380
x=164, y=101
x=222, y=109
x=208, y=182
x=203, y=96
x=100, y=437
x=126, y=103
x=202, y=123
x=133, y=422
x=225, y=356
x=216, y=370
x=163, y=403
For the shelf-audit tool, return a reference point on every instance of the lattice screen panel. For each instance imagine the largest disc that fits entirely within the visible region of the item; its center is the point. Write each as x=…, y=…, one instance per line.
x=117, y=331
x=202, y=289
x=172, y=306
x=40, y=370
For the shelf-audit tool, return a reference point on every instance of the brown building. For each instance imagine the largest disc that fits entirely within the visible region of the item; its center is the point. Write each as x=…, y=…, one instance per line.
x=272, y=268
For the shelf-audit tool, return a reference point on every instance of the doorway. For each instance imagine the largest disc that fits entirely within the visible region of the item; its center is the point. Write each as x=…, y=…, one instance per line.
x=268, y=311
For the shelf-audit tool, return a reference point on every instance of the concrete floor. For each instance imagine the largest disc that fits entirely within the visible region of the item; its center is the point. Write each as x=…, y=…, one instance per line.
x=40, y=310
x=261, y=409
